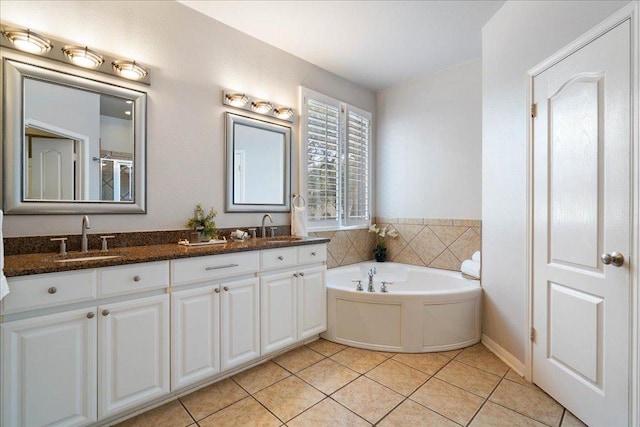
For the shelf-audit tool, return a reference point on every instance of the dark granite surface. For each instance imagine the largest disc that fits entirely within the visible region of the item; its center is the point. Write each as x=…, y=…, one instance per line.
x=36, y=263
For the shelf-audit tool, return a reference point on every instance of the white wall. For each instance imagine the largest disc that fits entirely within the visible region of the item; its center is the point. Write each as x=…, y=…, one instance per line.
x=519, y=36
x=193, y=58
x=428, y=153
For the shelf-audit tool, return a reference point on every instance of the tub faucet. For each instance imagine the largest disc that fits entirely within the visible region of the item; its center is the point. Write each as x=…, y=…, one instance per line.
x=85, y=242
x=372, y=272
x=264, y=229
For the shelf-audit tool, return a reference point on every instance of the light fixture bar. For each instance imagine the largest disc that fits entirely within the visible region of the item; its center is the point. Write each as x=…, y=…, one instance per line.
x=75, y=54
x=257, y=105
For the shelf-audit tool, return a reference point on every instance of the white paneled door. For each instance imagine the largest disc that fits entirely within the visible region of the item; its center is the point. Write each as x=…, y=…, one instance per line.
x=581, y=229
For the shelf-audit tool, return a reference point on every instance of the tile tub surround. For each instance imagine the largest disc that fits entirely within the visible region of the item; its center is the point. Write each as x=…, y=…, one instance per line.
x=435, y=243
x=328, y=384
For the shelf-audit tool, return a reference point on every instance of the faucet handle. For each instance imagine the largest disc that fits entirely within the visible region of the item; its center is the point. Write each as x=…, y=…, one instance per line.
x=384, y=286
x=359, y=285
x=63, y=244
x=104, y=242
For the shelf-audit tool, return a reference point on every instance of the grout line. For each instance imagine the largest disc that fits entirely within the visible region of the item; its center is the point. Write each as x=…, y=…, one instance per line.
x=189, y=413
x=268, y=410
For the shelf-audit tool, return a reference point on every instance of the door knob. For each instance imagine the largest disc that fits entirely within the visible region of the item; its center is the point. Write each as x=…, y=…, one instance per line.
x=615, y=258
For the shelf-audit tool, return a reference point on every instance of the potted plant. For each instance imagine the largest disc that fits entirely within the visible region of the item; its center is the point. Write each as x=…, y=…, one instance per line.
x=380, y=251
x=204, y=224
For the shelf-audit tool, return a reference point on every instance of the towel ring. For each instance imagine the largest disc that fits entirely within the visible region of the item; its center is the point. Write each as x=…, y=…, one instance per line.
x=297, y=196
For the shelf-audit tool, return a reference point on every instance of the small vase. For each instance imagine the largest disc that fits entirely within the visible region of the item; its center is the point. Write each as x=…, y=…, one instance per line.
x=381, y=257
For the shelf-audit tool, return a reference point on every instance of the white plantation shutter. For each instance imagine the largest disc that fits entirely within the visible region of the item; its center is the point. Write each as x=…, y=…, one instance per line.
x=335, y=156
x=358, y=147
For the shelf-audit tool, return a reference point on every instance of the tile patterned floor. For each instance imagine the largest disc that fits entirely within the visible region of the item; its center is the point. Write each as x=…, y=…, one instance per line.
x=328, y=384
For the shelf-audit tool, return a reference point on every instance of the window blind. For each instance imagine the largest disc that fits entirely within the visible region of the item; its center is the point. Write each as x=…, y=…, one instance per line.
x=357, y=168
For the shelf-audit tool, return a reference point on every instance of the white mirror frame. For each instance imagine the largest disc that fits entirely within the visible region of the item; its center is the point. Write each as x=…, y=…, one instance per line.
x=230, y=205
x=13, y=177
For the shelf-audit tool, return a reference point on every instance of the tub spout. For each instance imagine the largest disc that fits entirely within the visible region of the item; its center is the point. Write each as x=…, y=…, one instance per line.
x=372, y=272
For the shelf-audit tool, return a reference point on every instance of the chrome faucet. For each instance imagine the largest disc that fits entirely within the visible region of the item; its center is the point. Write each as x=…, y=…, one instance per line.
x=372, y=272
x=264, y=229
x=85, y=242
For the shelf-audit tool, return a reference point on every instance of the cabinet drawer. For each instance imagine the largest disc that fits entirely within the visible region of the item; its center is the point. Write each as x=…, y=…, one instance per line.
x=279, y=258
x=312, y=253
x=49, y=290
x=134, y=278
x=199, y=269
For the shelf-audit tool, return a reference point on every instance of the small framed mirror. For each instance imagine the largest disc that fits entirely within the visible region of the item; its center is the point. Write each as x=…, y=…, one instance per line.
x=71, y=144
x=258, y=165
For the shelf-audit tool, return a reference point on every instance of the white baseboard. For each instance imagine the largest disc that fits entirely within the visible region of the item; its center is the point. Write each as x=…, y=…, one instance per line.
x=504, y=355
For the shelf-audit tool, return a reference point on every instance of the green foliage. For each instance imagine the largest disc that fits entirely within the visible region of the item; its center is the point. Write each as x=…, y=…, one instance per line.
x=204, y=223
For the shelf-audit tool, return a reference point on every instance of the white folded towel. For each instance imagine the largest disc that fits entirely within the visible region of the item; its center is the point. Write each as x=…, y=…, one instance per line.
x=4, y=286
x=471, y=268
x=476, y=256
x=299, y=221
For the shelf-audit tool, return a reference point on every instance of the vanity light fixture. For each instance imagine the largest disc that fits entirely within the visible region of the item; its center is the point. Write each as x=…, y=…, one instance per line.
x=83, y=56
x=257, y=105
x=28, y=41
x=236, y=99
x=283, y=113
x=262, y=107
x=129, y=70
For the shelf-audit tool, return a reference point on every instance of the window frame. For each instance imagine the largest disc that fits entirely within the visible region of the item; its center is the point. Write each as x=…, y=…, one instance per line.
x=342, y=221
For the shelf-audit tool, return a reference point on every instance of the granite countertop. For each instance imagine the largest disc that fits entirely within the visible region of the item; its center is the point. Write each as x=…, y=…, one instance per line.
x=22, y=265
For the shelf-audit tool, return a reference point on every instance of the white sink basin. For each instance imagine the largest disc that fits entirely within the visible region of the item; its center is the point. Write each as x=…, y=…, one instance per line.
x=88, y=258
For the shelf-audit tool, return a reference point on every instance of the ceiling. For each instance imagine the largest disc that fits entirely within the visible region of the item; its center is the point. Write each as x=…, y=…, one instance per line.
x=376, y=44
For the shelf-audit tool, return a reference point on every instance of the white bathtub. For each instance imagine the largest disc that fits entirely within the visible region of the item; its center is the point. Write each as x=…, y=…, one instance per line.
x=425, y=309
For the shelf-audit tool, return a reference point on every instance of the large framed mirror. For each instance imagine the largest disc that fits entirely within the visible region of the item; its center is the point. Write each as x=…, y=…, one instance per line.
x=258, y=165
x=71, y=144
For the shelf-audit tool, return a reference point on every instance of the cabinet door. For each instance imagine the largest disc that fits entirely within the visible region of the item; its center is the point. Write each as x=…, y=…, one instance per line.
x=279, y=326
x=240, y=317
x=134, y=353
x=195, y=335
x=49, y=370
x=312, y=301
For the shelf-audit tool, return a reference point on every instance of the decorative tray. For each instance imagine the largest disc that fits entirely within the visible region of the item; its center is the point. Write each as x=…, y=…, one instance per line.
x=209, y=243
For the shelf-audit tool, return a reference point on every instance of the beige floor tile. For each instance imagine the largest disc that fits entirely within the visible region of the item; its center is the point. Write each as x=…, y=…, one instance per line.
x=570, y=420
x=450, y=354
x=325, y=347
x=410, y=413
x=480, y=357
x=360, y=360
x=327, y=375
x=448, y=400
x=469, y=378
x=170, y=414
x=492, y=415
x=368, y=399
x=289, y=397
x=528, y=401
x=513, y=376
x=298, y=359
x=210, y=399
x=327, y=413
x=398, y=377
x=260, y=376
x=245, y=413
x=429, y=363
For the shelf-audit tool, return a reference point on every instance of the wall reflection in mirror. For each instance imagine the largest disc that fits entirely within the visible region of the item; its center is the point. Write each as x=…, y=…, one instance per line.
x=71, y=144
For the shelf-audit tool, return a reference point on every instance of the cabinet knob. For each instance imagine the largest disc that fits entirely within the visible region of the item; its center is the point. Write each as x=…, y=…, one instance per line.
x=217, y=290
x=105, y=312
x=295, y=274
x=301, y=273
x=91, y=315
x=226, y=288
x=136, y=278
x=313, y=254
x=280, y=257
x=52, y=290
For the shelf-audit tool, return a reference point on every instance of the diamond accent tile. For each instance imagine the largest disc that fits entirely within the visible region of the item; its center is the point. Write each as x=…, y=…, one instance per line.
x=466, y=245
x=427, y=245
x=446, y=261
x=409, y=232
x=448, y=233
x=408, y=256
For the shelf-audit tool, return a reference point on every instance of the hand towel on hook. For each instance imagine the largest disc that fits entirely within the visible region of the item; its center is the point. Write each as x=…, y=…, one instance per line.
x=299, y=217
x=4, y=286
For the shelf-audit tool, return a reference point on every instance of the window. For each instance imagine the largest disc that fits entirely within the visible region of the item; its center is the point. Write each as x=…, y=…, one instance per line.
x=335, y=162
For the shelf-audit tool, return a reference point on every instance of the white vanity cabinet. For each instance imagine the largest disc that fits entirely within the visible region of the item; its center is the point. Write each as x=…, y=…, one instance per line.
x=49, y=370
x=71, y=358
x=240, y=322
x=293, y=300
